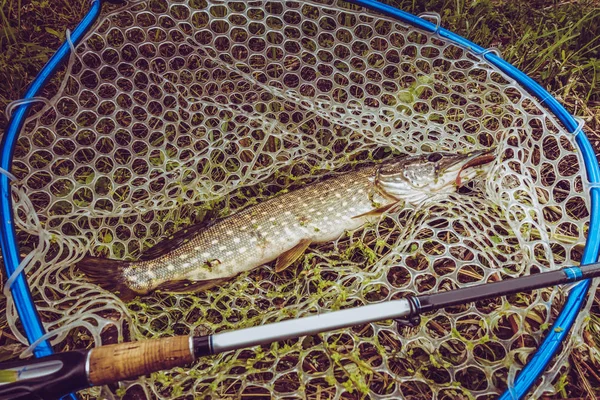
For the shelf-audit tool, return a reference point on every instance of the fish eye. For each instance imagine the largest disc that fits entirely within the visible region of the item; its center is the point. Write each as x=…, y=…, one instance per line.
x=434, y=157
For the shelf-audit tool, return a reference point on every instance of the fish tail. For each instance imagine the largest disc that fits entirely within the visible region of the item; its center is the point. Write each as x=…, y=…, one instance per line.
x=108, y=274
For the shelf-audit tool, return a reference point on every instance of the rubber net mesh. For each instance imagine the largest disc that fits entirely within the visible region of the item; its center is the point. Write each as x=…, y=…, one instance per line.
x=174, y=113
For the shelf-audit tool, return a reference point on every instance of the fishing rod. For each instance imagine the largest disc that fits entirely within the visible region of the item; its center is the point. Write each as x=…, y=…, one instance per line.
x=53, y=376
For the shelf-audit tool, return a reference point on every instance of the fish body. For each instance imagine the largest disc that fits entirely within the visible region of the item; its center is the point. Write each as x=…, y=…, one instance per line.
x=259, y=234
x=282, y=227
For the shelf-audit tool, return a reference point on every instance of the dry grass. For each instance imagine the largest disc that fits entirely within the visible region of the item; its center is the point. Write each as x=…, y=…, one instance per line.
x=555, y=42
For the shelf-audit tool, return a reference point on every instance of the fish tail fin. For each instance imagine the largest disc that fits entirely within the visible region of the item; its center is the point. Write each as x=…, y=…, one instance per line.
x=108, y=274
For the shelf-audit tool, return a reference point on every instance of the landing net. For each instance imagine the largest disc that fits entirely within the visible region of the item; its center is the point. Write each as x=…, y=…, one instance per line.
x=175, y=113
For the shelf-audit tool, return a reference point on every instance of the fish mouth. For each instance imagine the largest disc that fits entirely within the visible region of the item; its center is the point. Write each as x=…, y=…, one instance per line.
x=457, y=162
x=474, y=159
x=418, y=177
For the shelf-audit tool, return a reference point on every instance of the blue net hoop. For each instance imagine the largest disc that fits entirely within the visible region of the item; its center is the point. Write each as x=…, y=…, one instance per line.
x=528, y=375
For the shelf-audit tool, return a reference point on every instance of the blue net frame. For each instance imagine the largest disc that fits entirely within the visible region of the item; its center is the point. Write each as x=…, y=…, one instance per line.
x=528, y=375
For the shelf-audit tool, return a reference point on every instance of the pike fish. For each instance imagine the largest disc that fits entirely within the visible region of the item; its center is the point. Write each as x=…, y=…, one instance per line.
x=283, y=227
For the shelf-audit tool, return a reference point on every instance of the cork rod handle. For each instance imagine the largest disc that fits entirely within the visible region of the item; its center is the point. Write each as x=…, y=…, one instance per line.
x=121, y=361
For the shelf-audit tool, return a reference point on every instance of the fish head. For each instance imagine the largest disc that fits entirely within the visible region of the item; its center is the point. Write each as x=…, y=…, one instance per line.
x=416, y=178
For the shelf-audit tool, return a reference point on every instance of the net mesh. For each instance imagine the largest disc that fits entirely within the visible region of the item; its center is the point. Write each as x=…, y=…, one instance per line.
x=173, y=113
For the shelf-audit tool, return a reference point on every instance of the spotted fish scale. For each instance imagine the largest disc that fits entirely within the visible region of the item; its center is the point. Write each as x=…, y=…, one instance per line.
x=259, y=234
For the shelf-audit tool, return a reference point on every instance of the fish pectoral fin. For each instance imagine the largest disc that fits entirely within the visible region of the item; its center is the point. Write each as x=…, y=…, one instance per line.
x=189, y=286
x=378, y=211
x=287, y=258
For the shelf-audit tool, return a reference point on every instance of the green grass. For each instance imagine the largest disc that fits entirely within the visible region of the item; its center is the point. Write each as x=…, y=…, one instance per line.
x=555, y=42
x=30, y=33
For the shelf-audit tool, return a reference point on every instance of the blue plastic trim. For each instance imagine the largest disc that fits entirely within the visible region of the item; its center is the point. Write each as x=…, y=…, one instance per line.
x=10, y=249
x=530, y=373
x=573, y=273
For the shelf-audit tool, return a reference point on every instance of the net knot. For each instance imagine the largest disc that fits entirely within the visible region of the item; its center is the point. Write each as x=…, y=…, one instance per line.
x=69, y=41
x=579, y=129
x=592, y=186
x=8, y=174
x=494, y=50
x=433, y=16
x=14, y=104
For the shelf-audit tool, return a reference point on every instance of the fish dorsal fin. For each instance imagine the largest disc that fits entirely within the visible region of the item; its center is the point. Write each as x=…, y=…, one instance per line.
x=287, y=258
x=173, y=242
x=378, y=211
x=187, y=286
